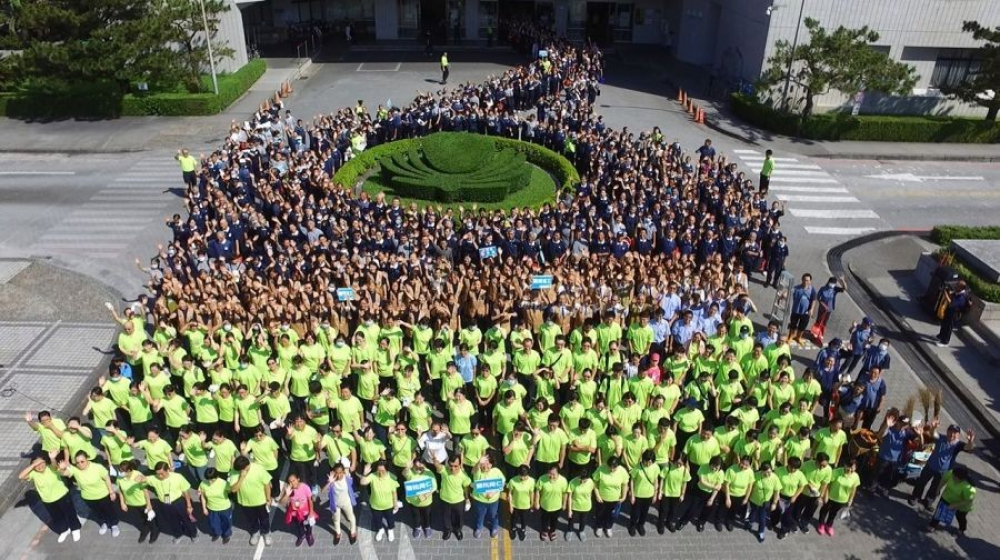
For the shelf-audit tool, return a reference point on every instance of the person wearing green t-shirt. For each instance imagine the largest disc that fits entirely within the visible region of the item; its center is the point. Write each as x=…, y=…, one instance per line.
x=55, y=498
x=958, y=496
x=818, y=473
x=303, y=445
x=612, y=487
x=382, y=499
x=455, y=492
x=472, y=447
x=704, y=497
x=252, y=485
x=216, y=506
x=551, y=497
x=674, y=478
x=839, y=493
x=549, y=447
x=580, y=449
x=486, y=503
x=793, y=482
x=830, y=440
x=96, y=490
x=763, y=499
x=191, y=445
x=520, y=500
x=420, y=504
x=644, y=483
x=134, y=502
x=739, y=481
x=266, y=454
x=225, y=452
x=581, y=493
x=174, y=510
x=702, y=448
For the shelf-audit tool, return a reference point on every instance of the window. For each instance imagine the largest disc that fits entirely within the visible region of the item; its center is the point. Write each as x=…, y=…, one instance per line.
x=953, y=66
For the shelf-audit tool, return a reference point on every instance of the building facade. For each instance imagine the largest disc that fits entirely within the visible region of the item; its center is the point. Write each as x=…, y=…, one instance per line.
x=729, y=38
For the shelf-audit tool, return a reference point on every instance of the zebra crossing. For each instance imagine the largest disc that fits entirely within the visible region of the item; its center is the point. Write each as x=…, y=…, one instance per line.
x=815, y=196
x=107, y=223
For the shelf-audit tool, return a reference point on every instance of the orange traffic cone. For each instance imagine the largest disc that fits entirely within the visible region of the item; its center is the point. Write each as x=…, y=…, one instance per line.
x=690, y=107
x=680, y=95
x=288, y=85
x=684, y=98
x=700, y=116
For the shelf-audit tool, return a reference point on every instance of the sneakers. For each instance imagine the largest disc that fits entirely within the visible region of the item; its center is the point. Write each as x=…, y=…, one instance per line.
x=176, y=540
x=782, y=535
x=115, y=531
x=103, y=530
x=494, y=533
x=608, y=533
x=428, y=532
x=352, y=538
x=267, y=540
x=215, y=538
x=254, y=539
x=597, y=533
x=380, y=535
x=760, y=537
x=459, y=535
x=642, y=530
x=543, y=536
x=477, y=533
x=76, y=535
x=581, y=536
x=446, y=535
x=225, y=540
x=729, y=527
x=417, y=532
x=631, y=531
x=392, y=535
x=821, y=529
x=64, y=535
x=300, y=540
x=660, y=529
x=830, y=532
x=804, y=529
x=336, y=539
x=718, y=527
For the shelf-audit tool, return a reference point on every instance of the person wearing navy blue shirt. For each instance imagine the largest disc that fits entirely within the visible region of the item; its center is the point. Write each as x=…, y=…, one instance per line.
x=946, y=448
x=895, y=435
x=706, y=150
x=861, y=337
x=776, y=262
x=876, y=356
x=827, y=299
x=875, y=390
x=802, y=304
x=960, y=303
x=831, y=350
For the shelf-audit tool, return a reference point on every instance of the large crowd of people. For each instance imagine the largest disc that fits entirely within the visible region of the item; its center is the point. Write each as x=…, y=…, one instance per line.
x=306, y=347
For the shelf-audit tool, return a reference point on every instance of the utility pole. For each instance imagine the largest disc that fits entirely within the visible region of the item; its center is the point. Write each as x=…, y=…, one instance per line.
x=791, y=59
x=211, y=56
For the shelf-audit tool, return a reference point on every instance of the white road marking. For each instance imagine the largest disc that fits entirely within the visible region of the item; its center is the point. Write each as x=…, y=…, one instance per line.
x=15, y=173
x=405, y=547
x=910, y=177
x=746, y=151
x=838, y=230
x=785, y=172
x=775, y=159
x=780, y=179
x=782, y=167
x=148, y=179
x=396, y=69
x=808, y=198
x=810, y=189
x=833, y=214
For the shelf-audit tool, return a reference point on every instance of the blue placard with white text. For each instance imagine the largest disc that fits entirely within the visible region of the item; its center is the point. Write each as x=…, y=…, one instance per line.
x=540, y=282
x=418, y=487
x=488, y=252
x=487, y=485
x=345, y=294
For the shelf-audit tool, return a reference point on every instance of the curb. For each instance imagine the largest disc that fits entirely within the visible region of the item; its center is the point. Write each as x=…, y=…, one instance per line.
x=975, y=407
x=905, y=157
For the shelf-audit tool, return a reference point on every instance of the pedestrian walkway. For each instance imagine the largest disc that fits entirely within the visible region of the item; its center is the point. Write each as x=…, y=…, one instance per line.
x=815, y=197
x=105, y=225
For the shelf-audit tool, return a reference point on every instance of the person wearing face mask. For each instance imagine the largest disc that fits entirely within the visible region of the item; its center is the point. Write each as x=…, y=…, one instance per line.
x=826, y=297
x=875, y=390
x=875, y=357
x=776, y=261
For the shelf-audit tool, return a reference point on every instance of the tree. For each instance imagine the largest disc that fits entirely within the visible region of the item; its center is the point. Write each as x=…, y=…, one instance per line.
x=843, y=60
x=187, y=32
x=982, y=86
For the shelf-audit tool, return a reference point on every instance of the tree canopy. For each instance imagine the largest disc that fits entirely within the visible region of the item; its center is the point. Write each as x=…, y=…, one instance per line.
x=67, y=42
x=982, y=86
x=843, y=60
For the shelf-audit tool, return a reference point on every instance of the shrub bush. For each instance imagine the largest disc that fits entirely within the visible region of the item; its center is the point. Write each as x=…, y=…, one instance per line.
x=175, y=104
x=881, y=128
x=984, y=288
x=944, y=235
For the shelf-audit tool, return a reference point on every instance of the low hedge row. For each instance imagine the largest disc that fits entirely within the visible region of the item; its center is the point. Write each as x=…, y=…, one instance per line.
x=944, y=235
x=452, y=152
x=231, y=87
x=881, y=128
x=104, y=99
x=986, y=289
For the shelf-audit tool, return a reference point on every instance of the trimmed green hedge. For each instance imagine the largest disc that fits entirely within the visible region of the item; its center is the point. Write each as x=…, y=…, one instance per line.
x=351, y=173
x=231, y=87
x=944, y=235
x=104, y=100
x=880, y=128
x=985, y=289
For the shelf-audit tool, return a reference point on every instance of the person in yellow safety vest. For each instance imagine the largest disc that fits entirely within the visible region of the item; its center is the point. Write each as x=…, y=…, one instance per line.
x=569, y=146
x=361, y=110
x=381, y=113
x=358, y=143
x=444, y=68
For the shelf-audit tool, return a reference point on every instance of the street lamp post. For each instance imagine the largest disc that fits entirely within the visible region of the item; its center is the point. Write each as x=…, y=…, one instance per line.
x=791, y=58
x=211, y=56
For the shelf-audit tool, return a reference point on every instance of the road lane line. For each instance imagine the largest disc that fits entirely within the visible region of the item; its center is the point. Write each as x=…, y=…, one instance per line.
x=808, y=198
x=15, y=173
x=810, y=189
x=780, y=179
x=833, y=214
x=838, y=230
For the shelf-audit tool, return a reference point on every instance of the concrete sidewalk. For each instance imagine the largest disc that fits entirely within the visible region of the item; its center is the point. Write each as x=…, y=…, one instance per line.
x=697, y=81
x=884, y=269
x=136, y=134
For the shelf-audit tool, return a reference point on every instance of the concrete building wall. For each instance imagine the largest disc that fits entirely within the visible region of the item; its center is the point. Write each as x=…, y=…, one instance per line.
x=231, y=35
